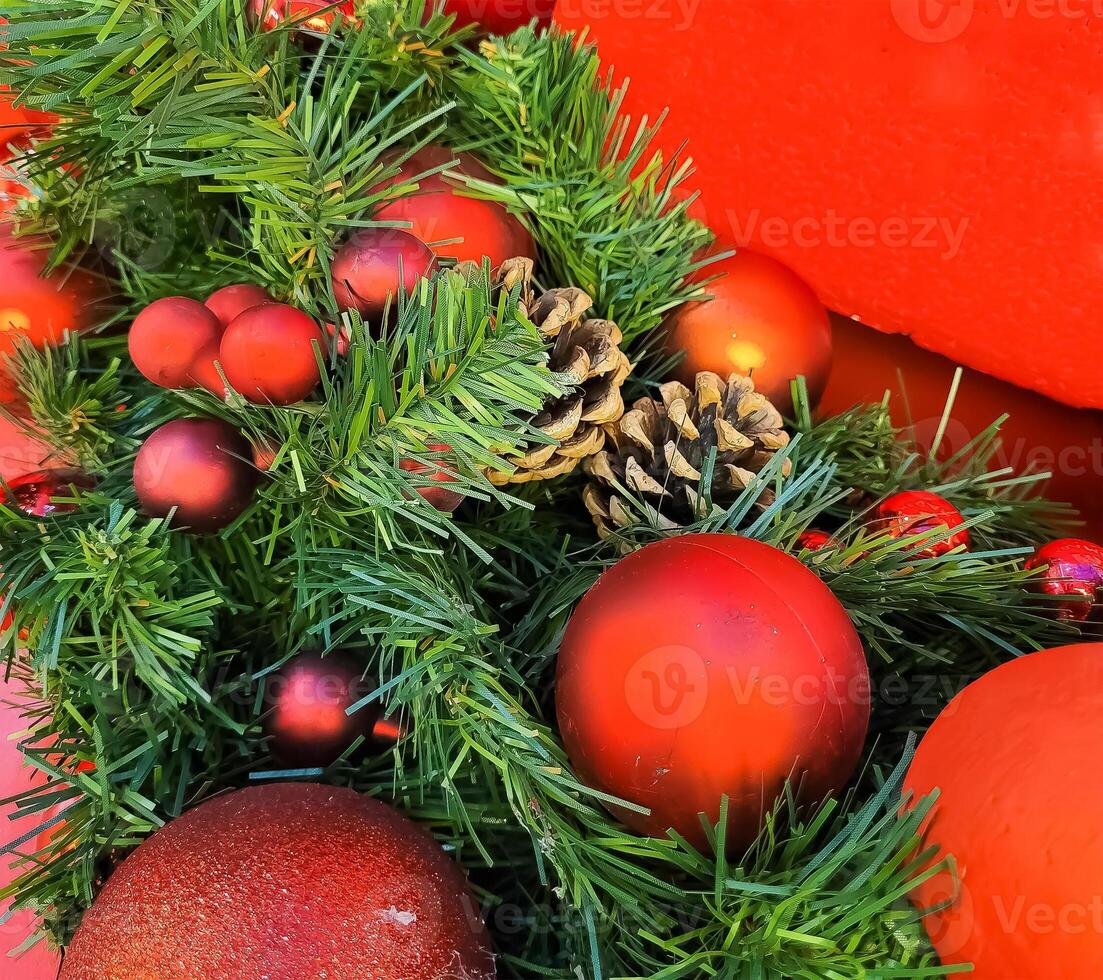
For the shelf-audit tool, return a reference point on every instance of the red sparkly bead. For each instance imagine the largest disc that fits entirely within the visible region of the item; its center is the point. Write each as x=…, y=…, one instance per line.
x=1073, y=568
x=35, y=493
x=918, y=512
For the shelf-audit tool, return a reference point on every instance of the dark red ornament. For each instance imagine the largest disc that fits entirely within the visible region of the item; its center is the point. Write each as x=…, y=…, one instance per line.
x=500, y=16
x=920, y=511
x=711, y=664
x=268, y=354
x=1073, y=568
x=439, y=211
x=199, y=467
x=443, y=499
x=373, y=264
x=307, y=720
x=35, y=493
x=286, y=882
x=231, y=301
x=319, y=16
x=814, y=539
x=172, y=339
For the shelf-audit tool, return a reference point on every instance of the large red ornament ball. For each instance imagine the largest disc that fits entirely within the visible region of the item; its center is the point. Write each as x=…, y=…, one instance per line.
x=197, y=466
x=37, y=493
x=373, y=264
x=439, y=211
x=920, y=511
x=268, y=354
x=231, y=301
x=763, y=320
x=1073, y=570
x=1015, y=757
x=284, y=882
x=439, y=496
x=500, y=16
x=172, y=338
x=711, y=664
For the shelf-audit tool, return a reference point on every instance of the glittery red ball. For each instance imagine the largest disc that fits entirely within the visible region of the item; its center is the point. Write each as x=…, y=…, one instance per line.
x=1073, y=568
x=440, y=211
x=284, y=882
x=441, y=498
x=35, y=493
x=171, y=338
x=711, y=664
x=231, y=301
x=307, y=701
x=918, y=511
x=373, y=264
x=268, y=354
x=197, y=466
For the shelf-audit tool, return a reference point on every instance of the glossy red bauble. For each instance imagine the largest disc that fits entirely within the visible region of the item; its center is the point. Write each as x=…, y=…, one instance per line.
x=198, y=467
x=439, y=496
x=36, y=493
x=763, y=320
x=500, y=16
x=373, y=265
x=284, y=882
x=1074, y=569
x=711, y=664
x=268, y=354
x=319, y=16
x=920, y=511
x=230, y=301
x=439, y=211
x=1015, y=759
x=173, y=339
x=814, y=539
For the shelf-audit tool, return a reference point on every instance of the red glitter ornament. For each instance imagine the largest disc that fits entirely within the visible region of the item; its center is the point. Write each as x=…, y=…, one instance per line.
x=197, y=466
x=285, y=882
x=711, y=664
x=441, y=498
x=814, y=539
x=268, y=354
x=319, y=16
x=1074, y=569
x=231, y=301
x=307, y=700
x=173, y=339
x=920, y=511
x=373, y=264
x=439, y=211
x=35, y=493
x=763, y=320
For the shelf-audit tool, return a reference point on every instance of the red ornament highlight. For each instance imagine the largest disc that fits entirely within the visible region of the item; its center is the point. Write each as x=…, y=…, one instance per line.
x=173, y=340
x=443, y=499
x=285, y=882
x=373, y=265
x=1074, y=569
x=920, y=511
x=466, y=228
x=198, y=467
x=36, y=494
x=1015, y=758
x=231, y=301
x=763, y=320
x=268, y=354
x=711, y=664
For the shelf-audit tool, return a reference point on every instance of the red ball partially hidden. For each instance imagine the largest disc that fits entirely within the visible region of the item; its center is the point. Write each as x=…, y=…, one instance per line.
x=197, y=466
x=444, y=500
x=285, y=882
x=500, y=16
x=311, y=15
x=920, y=511
x=1073, y=569
x=36, y=494
x=171, y=339
x=439, y=211
x=373, y=265
x=711, y=664
x=268, y=354
x=231, y=301
x=763, y=320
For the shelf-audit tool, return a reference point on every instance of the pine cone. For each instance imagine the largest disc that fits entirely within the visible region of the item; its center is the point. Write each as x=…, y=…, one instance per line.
x=588, y=353
x=658, y=449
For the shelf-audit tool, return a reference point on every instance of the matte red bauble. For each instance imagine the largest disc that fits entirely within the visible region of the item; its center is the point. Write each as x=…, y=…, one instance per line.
x=918, y=511
x=197, y=466
x=373, y=264
x=763, y=320
x=1074, y=569
x=443, y=499
x=230, y=301
x=711, y=664
x=311, y=15
x=307, y=701
x=439, y=211
x=172, y=338
x=284, y=882
x=35, y=493
x=268, y=354
x=1015, y=758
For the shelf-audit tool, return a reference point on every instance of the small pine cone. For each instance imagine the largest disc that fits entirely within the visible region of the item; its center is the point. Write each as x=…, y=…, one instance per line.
x=657, y=451
x=588, y=354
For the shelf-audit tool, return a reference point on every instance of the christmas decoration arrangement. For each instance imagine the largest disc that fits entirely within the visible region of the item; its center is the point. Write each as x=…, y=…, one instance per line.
x=439, y=568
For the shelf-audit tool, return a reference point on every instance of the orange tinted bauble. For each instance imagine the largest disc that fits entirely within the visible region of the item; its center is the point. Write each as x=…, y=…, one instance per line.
x=1016, y=759
x=763, y=320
